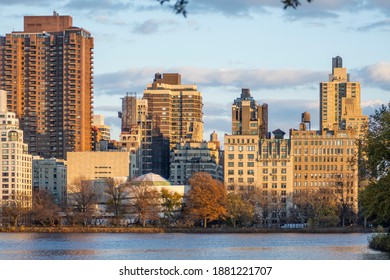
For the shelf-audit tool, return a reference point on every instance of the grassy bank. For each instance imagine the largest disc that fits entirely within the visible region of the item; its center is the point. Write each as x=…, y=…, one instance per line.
x=181, y=230
x=380, y=242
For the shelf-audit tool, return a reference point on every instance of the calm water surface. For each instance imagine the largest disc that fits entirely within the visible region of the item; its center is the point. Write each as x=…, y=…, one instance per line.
x=175, y=246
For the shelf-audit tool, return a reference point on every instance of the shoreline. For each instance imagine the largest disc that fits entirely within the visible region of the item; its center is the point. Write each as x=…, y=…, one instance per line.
x=182, y=230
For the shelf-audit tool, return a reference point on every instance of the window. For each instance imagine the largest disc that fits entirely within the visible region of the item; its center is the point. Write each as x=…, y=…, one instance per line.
x=251, y=172
x=231, y=148
x=240, y=156
x=240, y=164
x=251, y=156
x=251, y=164
x=230, y=164
x=230, y=156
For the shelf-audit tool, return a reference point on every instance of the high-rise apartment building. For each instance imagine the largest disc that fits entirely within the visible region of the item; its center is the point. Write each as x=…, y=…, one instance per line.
x=340, y=101
x=136, y=134
x=176, y=109
x=249, y=118
x=47, y=70
x=15, y=176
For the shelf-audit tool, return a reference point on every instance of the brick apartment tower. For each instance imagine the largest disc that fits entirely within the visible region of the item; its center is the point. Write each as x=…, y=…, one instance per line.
x=47, y=73
x=176, y=108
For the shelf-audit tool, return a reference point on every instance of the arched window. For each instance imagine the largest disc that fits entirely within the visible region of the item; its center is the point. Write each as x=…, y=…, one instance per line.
x=13, y=136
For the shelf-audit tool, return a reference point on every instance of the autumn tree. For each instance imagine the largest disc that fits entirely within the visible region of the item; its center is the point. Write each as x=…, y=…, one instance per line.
x=83, y=197
x=44, y=210
x=145, y=202
x=117, y=194
x=171, y=204
x=206, y=199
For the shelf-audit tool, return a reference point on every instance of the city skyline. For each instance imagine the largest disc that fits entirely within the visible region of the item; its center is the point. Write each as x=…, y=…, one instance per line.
x=281, y=55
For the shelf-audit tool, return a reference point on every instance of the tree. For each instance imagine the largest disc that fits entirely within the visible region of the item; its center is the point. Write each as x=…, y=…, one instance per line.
x=180, y=6
x=259, y=202
x=374, y=198
x=44, y=210
x=206, y=199
x=375, y=201
x=14, y=212
x=145, y=202
x=116, y=191
x=83, y=197
x=376, y=144
x=171, y=205
x=315, y=208
x=239, y=209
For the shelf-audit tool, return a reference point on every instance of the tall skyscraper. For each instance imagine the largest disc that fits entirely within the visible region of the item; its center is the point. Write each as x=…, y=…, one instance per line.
x=16, y=166
x=136, y=134
x=249, y=118
x=47, y=73
x=176, y=109
x=340, y=101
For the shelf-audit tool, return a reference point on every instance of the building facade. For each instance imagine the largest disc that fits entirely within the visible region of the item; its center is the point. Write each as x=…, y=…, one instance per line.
x=50, y=175
x=249, y=118
x=340, y=101
x=104, y=130
x=136, y=134
x=97, y=165
x=47, y=71
x=325, y=161
x=176, y=109
x=191, y=157
x=16, y=166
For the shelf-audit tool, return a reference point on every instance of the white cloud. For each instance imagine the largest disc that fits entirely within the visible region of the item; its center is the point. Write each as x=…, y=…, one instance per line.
x=135, y=79
x=152, y=26
x=376, y=75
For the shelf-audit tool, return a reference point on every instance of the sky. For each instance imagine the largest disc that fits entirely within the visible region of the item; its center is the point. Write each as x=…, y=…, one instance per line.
x=223, y=46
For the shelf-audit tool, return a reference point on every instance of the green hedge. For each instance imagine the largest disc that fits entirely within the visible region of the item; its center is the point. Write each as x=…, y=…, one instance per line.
x=380, y=242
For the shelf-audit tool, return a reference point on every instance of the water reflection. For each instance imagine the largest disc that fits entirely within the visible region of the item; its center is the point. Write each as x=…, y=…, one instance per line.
x=119, y=246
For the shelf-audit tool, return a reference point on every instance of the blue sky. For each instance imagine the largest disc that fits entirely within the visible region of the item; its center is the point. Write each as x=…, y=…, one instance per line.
x=225, y=45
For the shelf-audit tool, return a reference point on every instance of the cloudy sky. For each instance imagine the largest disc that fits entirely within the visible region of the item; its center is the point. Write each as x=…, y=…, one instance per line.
x=225, y=45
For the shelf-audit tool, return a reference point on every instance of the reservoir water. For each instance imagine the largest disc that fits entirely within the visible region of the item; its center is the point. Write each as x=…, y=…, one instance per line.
x=176, y=246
